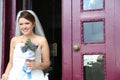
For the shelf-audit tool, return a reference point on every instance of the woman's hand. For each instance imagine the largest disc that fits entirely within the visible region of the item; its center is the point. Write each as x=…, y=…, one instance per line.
x=4, y=77
x=30, y=64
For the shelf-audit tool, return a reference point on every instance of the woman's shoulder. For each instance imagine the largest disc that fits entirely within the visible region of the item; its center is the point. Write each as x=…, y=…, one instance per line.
x=16, y=39
x=40, y=38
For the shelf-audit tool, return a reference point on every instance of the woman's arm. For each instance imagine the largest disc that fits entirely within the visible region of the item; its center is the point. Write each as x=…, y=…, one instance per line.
x=9, y=65
x=45, y=55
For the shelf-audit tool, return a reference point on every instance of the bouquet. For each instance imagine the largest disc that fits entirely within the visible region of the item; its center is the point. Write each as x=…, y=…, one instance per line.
x=29, y=49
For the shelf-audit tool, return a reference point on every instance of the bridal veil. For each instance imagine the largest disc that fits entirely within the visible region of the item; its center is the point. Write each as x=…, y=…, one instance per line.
x=38, y=26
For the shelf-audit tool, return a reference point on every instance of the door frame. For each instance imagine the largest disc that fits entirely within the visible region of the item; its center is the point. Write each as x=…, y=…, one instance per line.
x=9, y=13
x=66, y=40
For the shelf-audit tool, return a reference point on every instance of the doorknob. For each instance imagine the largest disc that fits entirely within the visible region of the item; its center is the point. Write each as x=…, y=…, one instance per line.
x=76, y=47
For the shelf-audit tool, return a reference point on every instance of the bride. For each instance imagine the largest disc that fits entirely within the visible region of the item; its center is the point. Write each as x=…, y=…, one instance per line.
x=27, y=27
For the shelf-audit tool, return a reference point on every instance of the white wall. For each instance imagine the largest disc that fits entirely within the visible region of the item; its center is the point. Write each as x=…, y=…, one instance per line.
x=1, y=7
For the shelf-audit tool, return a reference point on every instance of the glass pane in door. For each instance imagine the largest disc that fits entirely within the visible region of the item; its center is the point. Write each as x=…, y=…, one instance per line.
x=92, y=4
x=93, y=67
x=93, y=32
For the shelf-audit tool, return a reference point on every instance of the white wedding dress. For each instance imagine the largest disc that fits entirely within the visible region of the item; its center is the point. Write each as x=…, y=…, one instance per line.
x=17, y=72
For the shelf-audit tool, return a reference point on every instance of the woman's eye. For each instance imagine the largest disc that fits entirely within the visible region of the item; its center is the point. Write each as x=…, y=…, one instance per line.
x=20, y=24
x=27, y=23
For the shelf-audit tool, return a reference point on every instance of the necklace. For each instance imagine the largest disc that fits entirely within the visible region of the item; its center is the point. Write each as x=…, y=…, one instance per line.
x=24, y=38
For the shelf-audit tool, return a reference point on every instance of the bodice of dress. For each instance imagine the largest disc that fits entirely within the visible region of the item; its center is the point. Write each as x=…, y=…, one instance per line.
x=19, y=57
x=18, y=54
x=17, y=72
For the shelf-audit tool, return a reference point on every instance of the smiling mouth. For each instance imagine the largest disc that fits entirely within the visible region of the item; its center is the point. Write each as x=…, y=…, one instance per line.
x=25, y=30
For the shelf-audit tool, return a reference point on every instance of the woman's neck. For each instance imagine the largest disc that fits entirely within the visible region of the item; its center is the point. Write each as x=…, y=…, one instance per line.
x=31, y=36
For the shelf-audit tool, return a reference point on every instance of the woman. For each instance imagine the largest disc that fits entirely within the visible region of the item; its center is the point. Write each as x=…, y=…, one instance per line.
x=27, y=26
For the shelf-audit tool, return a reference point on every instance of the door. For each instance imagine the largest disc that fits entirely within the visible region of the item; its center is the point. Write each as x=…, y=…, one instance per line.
x=94, y=55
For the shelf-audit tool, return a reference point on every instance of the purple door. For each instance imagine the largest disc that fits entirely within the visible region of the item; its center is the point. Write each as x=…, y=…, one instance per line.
x=91, y=40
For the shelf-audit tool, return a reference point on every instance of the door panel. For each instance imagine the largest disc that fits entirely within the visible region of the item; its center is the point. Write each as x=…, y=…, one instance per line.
x=93, y=32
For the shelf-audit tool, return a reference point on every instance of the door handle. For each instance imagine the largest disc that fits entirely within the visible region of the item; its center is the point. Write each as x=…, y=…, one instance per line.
x=76, y=47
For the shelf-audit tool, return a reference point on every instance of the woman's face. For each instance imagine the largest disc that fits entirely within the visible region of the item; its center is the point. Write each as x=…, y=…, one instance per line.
x=26, y=26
